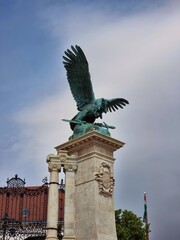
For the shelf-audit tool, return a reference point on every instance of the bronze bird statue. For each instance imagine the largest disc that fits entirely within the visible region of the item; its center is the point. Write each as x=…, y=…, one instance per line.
x=79, y=80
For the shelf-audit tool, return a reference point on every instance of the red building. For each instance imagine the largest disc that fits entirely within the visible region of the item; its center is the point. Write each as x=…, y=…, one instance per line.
x=23, y=209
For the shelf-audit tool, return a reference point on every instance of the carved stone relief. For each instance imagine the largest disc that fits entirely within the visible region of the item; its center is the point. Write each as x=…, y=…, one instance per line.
x=105, y=179
x=53, y=163
x=62, y=159
x=70, y=167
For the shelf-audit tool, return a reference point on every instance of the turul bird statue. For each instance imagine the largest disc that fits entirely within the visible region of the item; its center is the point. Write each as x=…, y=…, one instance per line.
x=89, y=107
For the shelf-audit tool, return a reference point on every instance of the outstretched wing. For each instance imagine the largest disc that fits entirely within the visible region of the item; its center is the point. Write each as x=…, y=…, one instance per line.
x=115, y=103
x=78, y=76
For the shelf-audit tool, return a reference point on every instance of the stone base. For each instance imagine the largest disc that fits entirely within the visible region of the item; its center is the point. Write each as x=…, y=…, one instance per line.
x=94, y=185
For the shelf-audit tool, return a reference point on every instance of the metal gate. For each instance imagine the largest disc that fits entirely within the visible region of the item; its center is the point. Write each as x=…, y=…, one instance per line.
x=23, y=211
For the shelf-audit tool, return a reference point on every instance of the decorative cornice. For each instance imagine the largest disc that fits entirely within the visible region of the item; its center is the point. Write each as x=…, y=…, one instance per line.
x=93, y=137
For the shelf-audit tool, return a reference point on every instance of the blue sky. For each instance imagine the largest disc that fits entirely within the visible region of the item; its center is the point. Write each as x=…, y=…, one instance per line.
x=133, y=50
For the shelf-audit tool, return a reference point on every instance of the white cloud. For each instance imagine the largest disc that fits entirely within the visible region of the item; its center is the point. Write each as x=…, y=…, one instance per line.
x=41, y=130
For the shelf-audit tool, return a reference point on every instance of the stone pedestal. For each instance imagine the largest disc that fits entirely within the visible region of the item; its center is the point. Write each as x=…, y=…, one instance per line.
x=92, y=190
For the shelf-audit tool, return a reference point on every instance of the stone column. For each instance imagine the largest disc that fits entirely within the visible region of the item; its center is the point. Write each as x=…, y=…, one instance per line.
x=94, y=186
x=70, y=167
x=54, y=167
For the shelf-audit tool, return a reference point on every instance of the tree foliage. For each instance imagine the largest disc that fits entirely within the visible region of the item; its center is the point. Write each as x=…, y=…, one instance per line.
x=129, y=226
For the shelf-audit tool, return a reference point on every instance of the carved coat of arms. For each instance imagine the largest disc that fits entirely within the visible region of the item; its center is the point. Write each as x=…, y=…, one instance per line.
x=105, y=179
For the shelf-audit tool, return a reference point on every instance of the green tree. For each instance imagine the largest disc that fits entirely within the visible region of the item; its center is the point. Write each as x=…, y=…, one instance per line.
x=129, y=226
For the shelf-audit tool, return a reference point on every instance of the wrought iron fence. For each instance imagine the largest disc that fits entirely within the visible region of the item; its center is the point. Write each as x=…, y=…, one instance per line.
x=23, y=210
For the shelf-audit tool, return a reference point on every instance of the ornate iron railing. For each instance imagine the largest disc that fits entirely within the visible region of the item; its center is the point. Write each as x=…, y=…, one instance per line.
x=23, y=210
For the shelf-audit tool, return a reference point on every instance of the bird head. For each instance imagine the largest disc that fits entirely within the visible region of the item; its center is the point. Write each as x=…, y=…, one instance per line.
x=102, y=106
